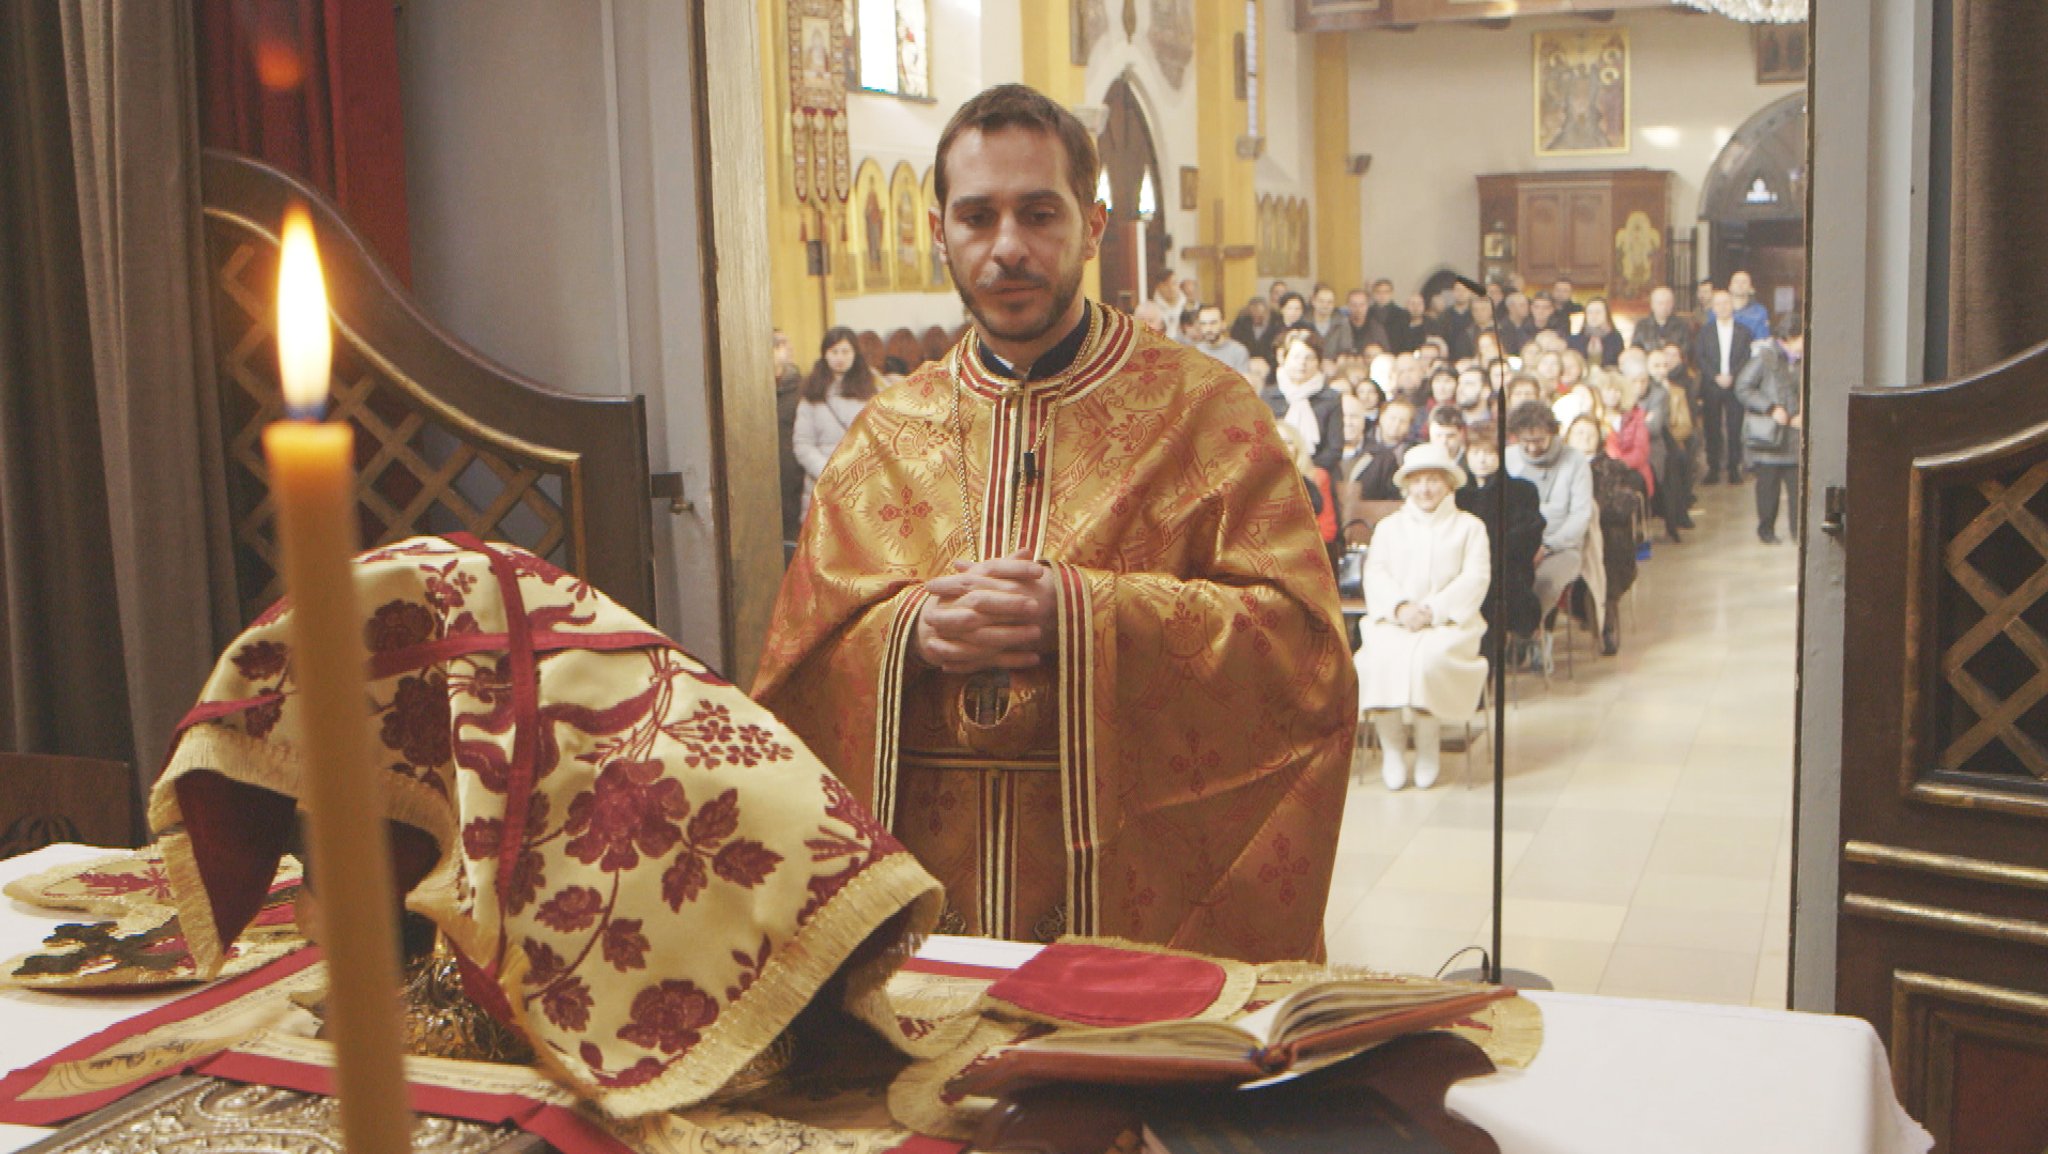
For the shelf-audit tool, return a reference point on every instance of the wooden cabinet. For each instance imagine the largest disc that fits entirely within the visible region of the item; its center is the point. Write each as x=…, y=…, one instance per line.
x=1604, y=231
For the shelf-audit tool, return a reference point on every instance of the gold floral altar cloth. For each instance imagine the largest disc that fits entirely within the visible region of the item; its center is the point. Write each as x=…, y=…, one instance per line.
x=641, y=870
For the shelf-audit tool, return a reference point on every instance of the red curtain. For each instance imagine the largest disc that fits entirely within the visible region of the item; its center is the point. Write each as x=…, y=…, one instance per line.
x=311, y=86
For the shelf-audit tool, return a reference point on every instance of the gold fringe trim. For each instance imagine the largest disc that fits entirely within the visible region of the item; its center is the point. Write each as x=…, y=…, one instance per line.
x=917, y=1096
x=1240, y=981
x=792, y=977
x=267, y=765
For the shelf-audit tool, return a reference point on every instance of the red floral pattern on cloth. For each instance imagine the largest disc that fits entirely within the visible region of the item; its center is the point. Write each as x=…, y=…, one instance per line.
x=685, y=875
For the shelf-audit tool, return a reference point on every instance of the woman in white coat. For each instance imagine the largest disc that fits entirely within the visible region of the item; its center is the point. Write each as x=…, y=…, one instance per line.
x=1426, y=575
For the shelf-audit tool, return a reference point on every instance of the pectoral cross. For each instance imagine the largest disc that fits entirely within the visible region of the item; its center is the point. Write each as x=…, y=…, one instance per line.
x=1215, y=254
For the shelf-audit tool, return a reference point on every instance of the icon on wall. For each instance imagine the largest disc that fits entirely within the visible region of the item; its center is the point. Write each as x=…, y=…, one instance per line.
x=1581, y=92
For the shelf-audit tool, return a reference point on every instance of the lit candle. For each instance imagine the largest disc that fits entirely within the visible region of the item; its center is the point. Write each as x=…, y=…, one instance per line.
x=312, y=482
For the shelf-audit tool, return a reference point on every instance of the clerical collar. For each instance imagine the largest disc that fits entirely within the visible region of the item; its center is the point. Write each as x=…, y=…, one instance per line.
x=1051, y=362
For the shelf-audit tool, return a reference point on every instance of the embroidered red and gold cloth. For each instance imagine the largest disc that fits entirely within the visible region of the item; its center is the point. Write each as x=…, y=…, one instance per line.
x=642, y=870
x=1176, y=774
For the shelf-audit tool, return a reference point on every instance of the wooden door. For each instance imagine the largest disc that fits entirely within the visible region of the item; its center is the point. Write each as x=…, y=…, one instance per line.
x=1943, y=938
x=1589, y=235
x=1544, y=227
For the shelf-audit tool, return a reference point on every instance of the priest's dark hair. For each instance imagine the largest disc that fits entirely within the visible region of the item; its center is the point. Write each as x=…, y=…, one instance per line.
x=1021, y=106
x=859, y=384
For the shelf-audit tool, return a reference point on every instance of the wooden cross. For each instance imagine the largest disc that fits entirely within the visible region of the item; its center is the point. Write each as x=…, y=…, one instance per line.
x=1216, y=253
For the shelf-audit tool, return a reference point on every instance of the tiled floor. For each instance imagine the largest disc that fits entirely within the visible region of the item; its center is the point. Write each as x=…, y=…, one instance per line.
x=1649, y=836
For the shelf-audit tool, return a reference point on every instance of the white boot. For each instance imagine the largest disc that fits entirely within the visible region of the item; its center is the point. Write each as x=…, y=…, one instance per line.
x=1393, y=748
x=1428, y=749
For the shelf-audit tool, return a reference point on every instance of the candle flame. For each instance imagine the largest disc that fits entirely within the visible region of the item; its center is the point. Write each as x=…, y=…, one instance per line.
x=305, y=340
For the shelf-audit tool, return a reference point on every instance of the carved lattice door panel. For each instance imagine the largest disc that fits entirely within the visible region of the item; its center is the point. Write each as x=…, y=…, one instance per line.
x=1943, y=940
x=445, y=441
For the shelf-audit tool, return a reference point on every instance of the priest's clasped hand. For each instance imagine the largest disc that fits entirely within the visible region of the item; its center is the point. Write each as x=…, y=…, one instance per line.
x=996, y=614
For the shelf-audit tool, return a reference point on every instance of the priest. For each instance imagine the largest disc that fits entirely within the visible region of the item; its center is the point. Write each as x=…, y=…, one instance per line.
x=1060, y=613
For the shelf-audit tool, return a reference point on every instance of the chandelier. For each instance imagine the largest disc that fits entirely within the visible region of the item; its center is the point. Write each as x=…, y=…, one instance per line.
x=1755, y=11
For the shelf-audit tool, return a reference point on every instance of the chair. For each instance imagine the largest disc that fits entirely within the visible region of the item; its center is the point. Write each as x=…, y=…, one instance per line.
x=903, y=345
x=46, y=799
x=446, y=441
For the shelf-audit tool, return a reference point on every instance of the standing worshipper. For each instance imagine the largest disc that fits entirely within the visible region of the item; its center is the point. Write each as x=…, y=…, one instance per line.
x=1426, y=577
x=839, y=387
x=789, y=384
x=1750, y=312
x=1064, y=616
x=1769, y=387
x=1722, y=351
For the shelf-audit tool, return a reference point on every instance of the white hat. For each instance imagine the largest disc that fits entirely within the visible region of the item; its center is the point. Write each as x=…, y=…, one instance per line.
x=1427, y=456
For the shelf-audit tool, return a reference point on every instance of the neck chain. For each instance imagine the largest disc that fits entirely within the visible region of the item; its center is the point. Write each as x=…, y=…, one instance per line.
x=1033, y=463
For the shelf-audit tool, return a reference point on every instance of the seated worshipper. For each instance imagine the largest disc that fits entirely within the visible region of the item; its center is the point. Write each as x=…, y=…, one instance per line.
x=1302, y=397
x=1368, y=474
x=1151, y=318
x=1548, y=369
x=1597, y=339
x=1317, y=481
x=1426, y=577
x=1447, y=432
x=1522, y=388
x=1543, y=316
x=1443, y=388
x=1358, y=423
x=1620, y=497
x=1576, y=395
x=1210, y=339
x=1258, y=372
x=1516, y=327
x=1516, y=529
x=1564, y=485
x=1663, y=328
x=839, y=387
x=1068, y=625
x=1373, y=400
x=1293, y=314
x=1472, y=396
x=681, y=877
x=1625, y=426
x=1255, y=328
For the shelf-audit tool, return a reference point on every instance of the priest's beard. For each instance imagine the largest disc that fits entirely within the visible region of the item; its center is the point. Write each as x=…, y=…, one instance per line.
x=1065, y=288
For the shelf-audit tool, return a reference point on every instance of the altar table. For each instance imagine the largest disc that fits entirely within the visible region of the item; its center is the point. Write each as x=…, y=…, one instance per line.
x=1615, y=1074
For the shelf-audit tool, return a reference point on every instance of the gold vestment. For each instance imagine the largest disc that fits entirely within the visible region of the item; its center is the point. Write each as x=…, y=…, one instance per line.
x=1175, y=774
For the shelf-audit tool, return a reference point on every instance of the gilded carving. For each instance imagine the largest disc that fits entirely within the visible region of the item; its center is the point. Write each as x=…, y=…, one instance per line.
x=1172, y=37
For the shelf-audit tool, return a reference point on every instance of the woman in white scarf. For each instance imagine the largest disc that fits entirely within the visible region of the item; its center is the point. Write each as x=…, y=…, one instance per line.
x=1300, y=397
x=1426, y=576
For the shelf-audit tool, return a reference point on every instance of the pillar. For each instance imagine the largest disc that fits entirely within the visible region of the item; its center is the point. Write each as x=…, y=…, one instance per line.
x=1340, y=259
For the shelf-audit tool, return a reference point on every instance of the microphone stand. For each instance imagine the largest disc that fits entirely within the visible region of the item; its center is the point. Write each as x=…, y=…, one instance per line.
x=1493, y=972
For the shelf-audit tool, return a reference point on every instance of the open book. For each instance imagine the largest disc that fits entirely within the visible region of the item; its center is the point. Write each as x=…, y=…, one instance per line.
x=1313, y=1027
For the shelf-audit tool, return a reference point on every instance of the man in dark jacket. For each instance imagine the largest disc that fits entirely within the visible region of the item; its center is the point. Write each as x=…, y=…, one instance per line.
x=1663, y=327
x=1392, y=319
x=1721, y=352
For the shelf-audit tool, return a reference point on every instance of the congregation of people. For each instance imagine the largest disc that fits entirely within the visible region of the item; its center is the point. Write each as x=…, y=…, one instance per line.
x=1395, y=412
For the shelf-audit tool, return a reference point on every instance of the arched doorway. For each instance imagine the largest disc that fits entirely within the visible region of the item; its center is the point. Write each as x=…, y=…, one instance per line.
x=1128, y=158
x=1754, y=203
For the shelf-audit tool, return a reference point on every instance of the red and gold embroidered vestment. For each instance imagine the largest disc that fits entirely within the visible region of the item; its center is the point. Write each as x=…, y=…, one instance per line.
x=1175, y=774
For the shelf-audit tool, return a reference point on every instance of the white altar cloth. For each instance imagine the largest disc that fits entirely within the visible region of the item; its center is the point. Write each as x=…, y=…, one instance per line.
x=1615, y=1074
